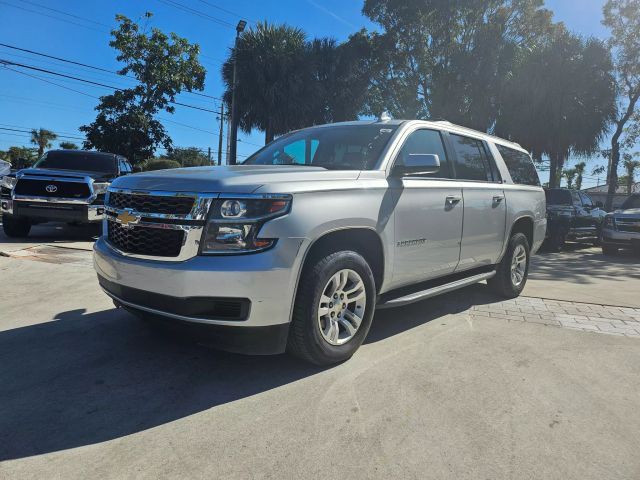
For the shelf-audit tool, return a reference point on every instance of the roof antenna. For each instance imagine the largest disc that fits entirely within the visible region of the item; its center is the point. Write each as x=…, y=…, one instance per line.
x=385, y=116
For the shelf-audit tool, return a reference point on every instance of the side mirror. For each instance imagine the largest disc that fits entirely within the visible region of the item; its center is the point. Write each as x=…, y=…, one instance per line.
x=136, y=169
x=418, y=164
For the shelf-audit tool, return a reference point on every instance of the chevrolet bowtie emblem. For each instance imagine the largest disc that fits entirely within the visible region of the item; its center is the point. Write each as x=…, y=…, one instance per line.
x=126, y=219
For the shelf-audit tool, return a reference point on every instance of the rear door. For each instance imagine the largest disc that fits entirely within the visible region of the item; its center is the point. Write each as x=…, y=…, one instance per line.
x=485, y=212
x=427, y=215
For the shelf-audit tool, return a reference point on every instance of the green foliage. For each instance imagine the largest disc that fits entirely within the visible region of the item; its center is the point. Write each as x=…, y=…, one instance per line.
x=285, y=82
x=164, y=65
x=160, y=164
x=630, y=167
x=622, y=17
x=42, y=138
x=569, y=174
x=560, y=100
x=449, y=59
x=14, y=154
x=188, y=157
x=579, y=168
x=68, y=146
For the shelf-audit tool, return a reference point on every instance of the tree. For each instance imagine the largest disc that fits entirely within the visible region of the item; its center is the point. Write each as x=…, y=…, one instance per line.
x=622, y=17
x=188, y=157
x=560, y=100
x=271, y=91
x=569, y=174
x=14, y=154
x=630, y=166
x=449, y=59
x=579, y=169
x=164, y=66
x=160, y=164
x=68, y=146
x=42, y=138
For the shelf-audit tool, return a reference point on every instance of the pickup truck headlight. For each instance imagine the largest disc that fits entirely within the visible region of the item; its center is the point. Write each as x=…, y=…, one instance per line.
x=234, y=223
x=8, y=182
x=100, y=188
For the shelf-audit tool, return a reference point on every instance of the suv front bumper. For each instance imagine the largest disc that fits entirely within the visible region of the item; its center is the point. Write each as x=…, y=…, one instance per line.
x=259, y=287
x=614, y=238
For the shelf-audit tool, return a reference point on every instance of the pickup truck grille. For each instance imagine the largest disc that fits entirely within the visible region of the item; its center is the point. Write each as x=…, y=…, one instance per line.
x=141, y=240
x=51, y=188
x=168, y=205
x=631, y=225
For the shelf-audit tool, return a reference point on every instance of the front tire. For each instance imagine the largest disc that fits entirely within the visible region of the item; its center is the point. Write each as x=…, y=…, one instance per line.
x=512, y=272
x=15, y=227
x=333, y=309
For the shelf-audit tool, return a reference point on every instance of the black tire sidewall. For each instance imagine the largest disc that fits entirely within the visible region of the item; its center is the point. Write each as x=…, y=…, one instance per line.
x=330, y=265
x=15, y=227
x=508, y=289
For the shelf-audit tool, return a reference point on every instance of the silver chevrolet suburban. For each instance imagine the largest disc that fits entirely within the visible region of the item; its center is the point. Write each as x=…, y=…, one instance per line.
x=295, y=249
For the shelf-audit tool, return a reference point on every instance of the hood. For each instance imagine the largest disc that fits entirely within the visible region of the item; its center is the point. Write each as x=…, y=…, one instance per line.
x=629, y=213
x=50, y=172
x=231, y=179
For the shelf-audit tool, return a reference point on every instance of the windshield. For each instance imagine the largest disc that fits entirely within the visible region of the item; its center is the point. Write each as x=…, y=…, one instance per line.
x=632, y=202
x=340, y=147
x=558, y=196
x=78, y=160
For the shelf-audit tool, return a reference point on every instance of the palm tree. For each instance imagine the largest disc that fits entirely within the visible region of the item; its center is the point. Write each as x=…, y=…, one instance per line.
x=271, y=86
x=68, y=146
x=561, y=100
x=42, y=138
x=579, y=169
x=630, y=166
x=569, y=174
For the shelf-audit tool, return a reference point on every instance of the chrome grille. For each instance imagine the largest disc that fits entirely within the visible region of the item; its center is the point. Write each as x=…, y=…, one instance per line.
x=625, y=224
x=168, y=205
x=145, y=241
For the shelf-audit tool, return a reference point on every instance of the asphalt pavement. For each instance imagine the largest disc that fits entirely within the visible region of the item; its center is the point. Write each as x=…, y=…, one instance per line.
x=460, y=386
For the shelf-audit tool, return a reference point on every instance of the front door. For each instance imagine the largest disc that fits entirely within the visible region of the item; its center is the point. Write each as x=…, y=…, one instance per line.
x=485, y=209
x=428, y=215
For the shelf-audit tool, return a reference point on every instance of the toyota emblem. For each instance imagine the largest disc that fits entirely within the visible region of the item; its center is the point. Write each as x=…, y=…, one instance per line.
x=51, y=188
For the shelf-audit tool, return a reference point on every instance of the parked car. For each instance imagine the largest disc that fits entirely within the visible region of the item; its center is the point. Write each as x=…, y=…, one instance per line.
x=64, y=185
x=621, y=229
x=572, y=216
x=295, y=249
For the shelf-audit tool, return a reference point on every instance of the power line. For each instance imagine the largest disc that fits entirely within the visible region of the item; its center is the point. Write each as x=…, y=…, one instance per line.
x=29, y=132
x=65, y=13
x=93, y=67
x=225, y=10
x=50, y=82
x=91, y=82
x=197, y=13
x=55, y=18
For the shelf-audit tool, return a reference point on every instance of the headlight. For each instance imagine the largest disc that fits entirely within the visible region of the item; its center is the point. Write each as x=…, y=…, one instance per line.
x=8, y=182
x=100, y=188
x=234, y=223
x=609, y=222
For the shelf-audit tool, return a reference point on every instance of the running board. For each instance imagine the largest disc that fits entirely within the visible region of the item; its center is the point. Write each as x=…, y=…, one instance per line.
x=432, y=292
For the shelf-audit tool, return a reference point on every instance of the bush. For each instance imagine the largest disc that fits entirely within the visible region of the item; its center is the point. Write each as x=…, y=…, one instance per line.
x=160, y=164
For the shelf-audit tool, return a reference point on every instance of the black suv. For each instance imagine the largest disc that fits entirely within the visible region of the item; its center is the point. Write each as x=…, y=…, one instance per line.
x=571, y=215
x=64, y=185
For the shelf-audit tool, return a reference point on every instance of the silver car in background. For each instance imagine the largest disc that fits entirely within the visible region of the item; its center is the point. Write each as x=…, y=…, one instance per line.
x=296, y=248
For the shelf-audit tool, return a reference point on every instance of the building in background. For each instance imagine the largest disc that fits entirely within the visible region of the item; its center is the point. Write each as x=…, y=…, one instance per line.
x=599, y=193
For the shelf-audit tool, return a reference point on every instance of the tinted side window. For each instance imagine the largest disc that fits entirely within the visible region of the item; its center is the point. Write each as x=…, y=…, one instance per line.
x=586, y=200
x=576, y=198
x=520, y=166
x=471, y=159
x=426, y=142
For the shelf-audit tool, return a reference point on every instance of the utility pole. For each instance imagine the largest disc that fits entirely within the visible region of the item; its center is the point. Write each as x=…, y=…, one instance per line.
x=221, y=133
x=209, y=155
x=234, y=107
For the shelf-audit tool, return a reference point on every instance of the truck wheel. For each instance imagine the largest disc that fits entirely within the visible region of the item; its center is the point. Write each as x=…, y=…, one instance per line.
x=556, y=241
x=512, y=271
x=333, y=309
x=607, y=250
x=15, y=227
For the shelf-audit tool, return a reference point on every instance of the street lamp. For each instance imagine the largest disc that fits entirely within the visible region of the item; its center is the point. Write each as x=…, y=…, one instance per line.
x=234, y=107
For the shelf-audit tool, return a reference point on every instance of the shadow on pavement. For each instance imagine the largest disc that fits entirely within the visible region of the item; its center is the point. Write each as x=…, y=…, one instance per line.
x=55, y=233
x=83, y=378
x=580, y=264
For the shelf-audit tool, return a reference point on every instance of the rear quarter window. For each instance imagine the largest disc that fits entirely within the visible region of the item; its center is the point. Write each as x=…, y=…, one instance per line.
x=520, y=166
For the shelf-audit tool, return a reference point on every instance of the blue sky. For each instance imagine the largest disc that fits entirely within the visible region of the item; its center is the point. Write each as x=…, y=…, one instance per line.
x=82, y=36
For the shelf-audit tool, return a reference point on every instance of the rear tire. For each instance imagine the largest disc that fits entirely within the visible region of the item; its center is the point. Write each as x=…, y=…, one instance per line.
x=512, y=272
x=15, y=227
x=316, y=334
x=556, y=242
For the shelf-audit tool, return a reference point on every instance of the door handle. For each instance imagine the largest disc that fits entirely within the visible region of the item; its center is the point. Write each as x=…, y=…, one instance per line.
x=498, y=198
x=452, y=199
